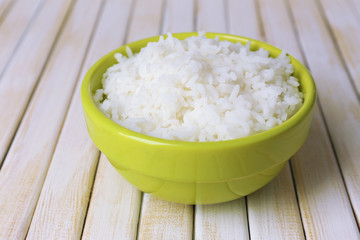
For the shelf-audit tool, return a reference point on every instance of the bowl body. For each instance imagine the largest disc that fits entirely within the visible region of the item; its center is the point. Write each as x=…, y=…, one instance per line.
x=197, y=172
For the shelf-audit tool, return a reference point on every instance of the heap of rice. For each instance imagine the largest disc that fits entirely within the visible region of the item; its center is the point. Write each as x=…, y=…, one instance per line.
x=199, y=89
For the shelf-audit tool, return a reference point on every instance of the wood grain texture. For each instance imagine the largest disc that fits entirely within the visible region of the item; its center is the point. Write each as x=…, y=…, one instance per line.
x=24, y=69
x=61, y=209
x=63, y=201
x=14, y=25
x=161, y=219
x=26, y=164
x=222, y=221
x=311, y=158
x=211, y=16
x=47, y=176
x=321, y=191
x=273, y=210
x=340, y=104
x=114, y=207
x=346, y=32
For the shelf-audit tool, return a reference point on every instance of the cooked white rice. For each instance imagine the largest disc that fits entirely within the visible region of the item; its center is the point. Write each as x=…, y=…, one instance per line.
x=199, y=89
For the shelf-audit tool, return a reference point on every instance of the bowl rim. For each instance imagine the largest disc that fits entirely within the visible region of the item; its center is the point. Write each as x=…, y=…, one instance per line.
x=107, y=124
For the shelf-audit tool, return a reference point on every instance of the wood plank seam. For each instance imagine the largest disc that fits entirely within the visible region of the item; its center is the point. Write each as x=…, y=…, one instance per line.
x=39, y=152
x=324, y=120
x=193, y=223
x=87, y=226
x=24, y=32
x=140, y=216
x=163, y=15
x=126, y=37
x=195, y=15
x=247, y=216
x=268, y=22
x=71, y=96
x=81, y=66
x=302, y=54
x=226, y=14
x=73, y=93
x=318, y=102
x=138, y=233
x=194, y=27
x=335, y=155
x=334, y=39
x=5, y=9
x=321, y=10
x=343, y=23
x=95, y=52
x=37, y=199
x=63, y=23
x=297, y=198
x=97, y=164
x=263, y=35
x=259, y=19
x=159, y=219
x=91, y=192
x=225, y=220
x=128, y=23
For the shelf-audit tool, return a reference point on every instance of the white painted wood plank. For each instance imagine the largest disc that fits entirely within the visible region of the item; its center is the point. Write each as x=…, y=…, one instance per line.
x=339, y=102
x=25, y=67
x=147, y=16
x=165, y=220
x=315, y=160
x=71, y=173
x=222, y=221
x=179, y=16
x=355, y=6
x=210, y=16
x=114, y=207
x=325, y=207
x=273, y=210
x=13, y=27
x=243, y=20
x=26, y=164
x=344, y=22
x=63, y=201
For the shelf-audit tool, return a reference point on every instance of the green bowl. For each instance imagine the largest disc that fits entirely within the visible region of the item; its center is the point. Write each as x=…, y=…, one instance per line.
x=197, y=172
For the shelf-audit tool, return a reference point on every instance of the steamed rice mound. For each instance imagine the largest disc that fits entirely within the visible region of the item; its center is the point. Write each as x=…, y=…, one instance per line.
x=199, y=89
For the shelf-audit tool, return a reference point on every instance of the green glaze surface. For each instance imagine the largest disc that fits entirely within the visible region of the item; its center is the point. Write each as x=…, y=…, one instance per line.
x=197, y=172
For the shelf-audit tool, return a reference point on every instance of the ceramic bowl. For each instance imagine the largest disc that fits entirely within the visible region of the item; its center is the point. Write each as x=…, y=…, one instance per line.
x=197, y=172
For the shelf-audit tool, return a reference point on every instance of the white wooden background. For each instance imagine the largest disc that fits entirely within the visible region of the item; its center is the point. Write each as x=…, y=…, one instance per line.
x=54, y=184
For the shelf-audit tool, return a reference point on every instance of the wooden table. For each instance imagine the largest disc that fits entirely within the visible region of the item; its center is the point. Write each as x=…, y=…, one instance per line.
x=54, y=183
